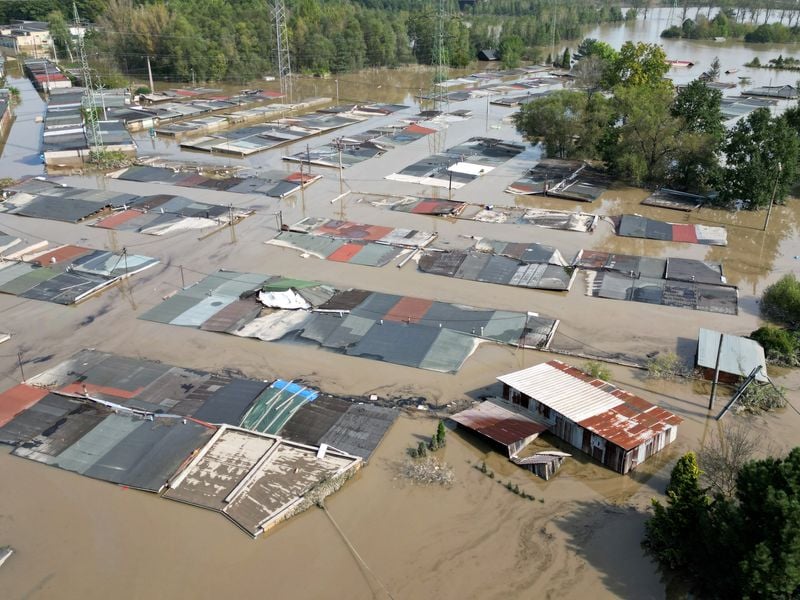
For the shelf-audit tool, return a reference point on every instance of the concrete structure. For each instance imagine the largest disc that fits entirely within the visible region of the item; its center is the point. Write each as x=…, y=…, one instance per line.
x=738, y=356
x=615, y=427
x=26, y=37
x=5, y=114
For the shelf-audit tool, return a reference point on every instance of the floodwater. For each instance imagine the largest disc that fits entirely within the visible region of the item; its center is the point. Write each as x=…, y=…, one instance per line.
x=21, y=151
x=79, y=538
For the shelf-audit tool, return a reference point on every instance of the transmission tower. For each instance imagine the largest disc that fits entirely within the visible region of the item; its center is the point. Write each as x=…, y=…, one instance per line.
x=91, y=124
x=440, y=59
x=282, y=61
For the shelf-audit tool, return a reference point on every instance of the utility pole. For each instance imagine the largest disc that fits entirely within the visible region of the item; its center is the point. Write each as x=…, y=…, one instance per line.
x=150, y=76
x=183, y=281
x=772, y=198
x=339, y=144
x=21, y=371
x=716, y=374
x=230, y=221
x=193, y=81
x=101, y=88
x=337, y=91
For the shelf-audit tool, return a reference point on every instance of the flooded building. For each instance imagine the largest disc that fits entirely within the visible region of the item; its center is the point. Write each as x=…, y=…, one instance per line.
x=738, y=356
x=615, y=427
x=28, y=37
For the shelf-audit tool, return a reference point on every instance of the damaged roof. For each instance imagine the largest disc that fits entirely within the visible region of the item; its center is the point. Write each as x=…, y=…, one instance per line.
x=607, y=411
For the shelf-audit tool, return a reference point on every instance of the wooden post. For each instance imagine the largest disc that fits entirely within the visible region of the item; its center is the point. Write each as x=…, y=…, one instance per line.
x=716, y=374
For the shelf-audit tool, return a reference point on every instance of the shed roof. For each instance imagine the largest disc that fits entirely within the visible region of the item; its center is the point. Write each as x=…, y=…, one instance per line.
x=614, y=414
x=498, y=423
x=739, y=355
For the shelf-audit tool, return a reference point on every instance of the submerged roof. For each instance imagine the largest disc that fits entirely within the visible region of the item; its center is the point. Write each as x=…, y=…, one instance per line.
x=614, y=414
x=739, y=355
x=497, y=423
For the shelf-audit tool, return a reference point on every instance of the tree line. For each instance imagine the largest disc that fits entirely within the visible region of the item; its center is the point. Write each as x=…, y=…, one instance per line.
x=213, y=40
x=724, y=24
x=627, y=115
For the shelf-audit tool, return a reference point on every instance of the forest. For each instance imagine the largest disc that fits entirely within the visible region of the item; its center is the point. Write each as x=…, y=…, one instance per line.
x=217, y=40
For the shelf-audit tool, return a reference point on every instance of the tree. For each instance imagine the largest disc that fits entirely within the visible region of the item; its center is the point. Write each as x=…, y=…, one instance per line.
x=60, y=33
x=591, y=47
x=557, y=119
x=589, y=73
x=724, y=454
x=671, y=534
x=510, y=50
x=714, y=71
x=441, y=432
x=696, y=167
x=768, y=492
x=762, y=156
x=637, y=65
x=566, y=60
x=645, y=143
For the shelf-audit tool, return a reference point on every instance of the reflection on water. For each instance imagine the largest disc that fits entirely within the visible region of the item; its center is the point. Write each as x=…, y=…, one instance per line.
x=733, y=54
x=21, y=151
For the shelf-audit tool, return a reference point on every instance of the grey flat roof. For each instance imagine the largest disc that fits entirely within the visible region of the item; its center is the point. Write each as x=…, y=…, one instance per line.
x=738, y=356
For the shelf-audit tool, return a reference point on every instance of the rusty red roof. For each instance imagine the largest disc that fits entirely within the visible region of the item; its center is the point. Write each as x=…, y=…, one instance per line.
x=18, y=398
x=618, y=416
x=497, y=423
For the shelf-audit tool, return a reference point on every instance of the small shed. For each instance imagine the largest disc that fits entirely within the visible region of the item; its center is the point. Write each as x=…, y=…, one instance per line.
x=501, y=425
x=544, y=464
x=738, y=356
x=488, y=55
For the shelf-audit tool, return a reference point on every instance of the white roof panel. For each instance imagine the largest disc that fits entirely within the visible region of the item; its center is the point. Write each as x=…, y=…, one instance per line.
x=572, y=397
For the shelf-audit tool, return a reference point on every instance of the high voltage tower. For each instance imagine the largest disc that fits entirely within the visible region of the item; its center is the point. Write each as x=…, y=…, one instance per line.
x=90, y=115
x=282, y=59
x=440, y=60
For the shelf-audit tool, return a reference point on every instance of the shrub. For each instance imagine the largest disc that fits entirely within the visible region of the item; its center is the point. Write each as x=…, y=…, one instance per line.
x=665, y=366
x=780, y=346
x=781, y=301
x=597, y=370
x=421, y=449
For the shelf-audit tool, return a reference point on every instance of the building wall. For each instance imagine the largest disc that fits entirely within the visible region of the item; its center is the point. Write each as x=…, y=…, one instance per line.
x=602, y=450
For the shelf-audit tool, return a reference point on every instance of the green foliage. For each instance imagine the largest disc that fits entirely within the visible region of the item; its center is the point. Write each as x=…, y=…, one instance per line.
x=142, y=89
x=441, y=432
x=781, y=347
x=643, y=146
x=671, y=534
x=762, y=157
x=696, y=166
x=510, y=49
x=597, y=370
x=566, y=59
x=761, y=397
x=421, y=452
x=744, y=547
x=775, y=33
x=570, y=123
x=781, y=301
x=665, y=366
x=637, y=64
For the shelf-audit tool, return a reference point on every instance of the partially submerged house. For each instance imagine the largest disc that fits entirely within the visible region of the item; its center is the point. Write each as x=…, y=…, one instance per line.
x=738, y=356
x=488, y=54
x=508, y=426
x=615, y=427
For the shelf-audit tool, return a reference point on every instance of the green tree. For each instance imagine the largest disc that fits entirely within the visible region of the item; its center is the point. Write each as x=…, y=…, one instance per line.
x=762, y=155
x=510, y=50
x=671, y=534
x=768, y=492
x=566, y=59
x=646, y=142
x=637, y=65
x=696, y=167
x=441, y=432
x=556, y=119
x=59, y=31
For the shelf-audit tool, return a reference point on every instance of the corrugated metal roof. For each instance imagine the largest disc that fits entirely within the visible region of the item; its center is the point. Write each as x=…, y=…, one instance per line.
x=551, y=384
x=739, y=355
x=600, y=407
x=498, y=423
x=17, y=399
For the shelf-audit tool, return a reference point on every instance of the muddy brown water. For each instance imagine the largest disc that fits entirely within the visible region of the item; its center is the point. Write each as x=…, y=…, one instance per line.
x=79, y=538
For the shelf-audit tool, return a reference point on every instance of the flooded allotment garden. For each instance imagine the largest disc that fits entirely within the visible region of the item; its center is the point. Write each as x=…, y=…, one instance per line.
x=407, y=282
